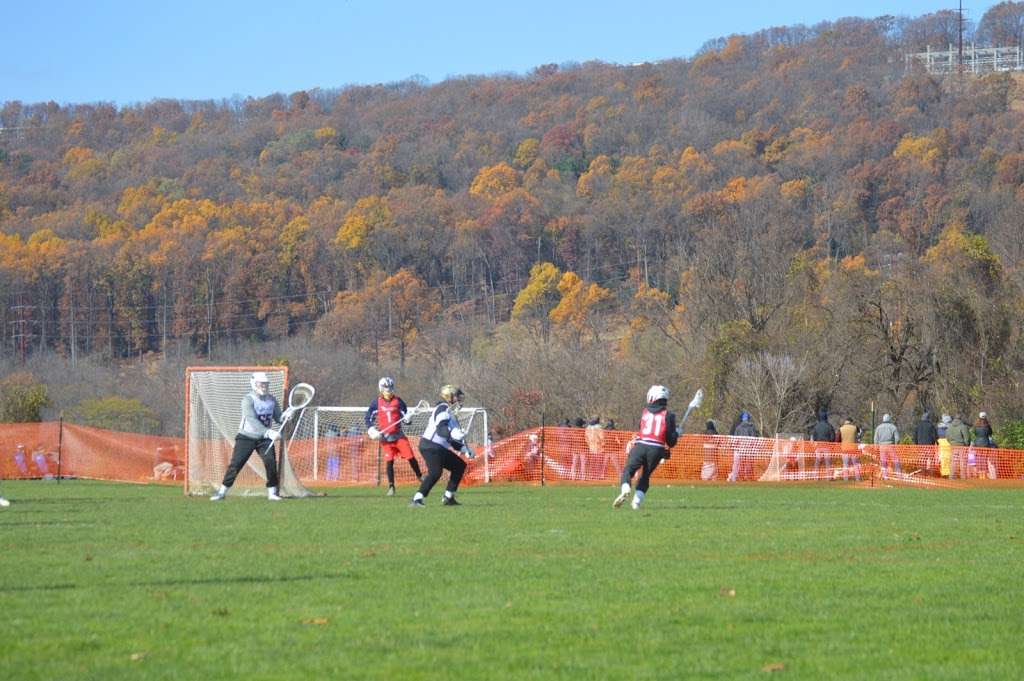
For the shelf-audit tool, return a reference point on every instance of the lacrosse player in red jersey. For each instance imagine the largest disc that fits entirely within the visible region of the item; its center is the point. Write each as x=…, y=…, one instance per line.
x=384, y=421
x=657, y=435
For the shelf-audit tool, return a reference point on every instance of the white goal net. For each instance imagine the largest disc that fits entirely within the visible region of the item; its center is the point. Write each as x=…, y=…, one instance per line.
x=213, y=412
x=329, y=445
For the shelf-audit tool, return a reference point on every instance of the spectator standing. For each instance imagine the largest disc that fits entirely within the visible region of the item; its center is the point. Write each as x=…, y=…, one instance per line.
x=959, y=437
x=741, y=451
x=709, y=468
x=21, y=461
x=595, y=443
x=823, y=432
x=850, y=449
x=927, y=435
x=886, y=437
x=981, y=442
x=578, y=469
x=945, y=450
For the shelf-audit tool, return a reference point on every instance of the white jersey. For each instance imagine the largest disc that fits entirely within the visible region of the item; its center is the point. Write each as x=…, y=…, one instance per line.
x=442, y=421
x=259, y=412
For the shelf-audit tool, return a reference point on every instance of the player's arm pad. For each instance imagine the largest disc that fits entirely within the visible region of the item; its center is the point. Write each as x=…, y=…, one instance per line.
x=458, y=434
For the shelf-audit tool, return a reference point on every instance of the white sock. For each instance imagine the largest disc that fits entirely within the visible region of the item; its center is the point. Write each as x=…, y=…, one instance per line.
x=222, y=491
x=448, y=495
x=638, y=498
x=626, y=488
x=271, y=491
x=418, y=496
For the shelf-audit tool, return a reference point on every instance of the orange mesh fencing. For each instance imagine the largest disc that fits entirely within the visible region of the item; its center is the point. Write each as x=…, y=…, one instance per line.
x=84, y=452
x=551, y=455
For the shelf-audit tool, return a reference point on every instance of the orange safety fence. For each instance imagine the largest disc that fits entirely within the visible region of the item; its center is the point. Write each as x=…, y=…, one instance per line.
x=551, y=455
x=41, y=450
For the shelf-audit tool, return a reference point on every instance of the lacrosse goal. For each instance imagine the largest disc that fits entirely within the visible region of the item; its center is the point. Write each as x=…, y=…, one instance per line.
x=330, y=445
x=213, y=412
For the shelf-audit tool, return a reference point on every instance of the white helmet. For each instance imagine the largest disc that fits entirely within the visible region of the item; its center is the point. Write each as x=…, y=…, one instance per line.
x=386, y=385
x=259, y=382
x=657, y=392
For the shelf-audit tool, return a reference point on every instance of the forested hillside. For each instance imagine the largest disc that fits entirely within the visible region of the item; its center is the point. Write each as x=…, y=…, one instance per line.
x=791, y=219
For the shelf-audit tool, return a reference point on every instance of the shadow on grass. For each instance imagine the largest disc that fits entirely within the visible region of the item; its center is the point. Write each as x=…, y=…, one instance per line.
x=37, y=523
x=245, y=579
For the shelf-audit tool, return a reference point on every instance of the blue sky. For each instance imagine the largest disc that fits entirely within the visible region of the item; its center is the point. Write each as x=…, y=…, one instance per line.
x=128, y=52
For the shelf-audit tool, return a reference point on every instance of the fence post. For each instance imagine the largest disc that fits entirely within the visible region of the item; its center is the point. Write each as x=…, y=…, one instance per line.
x=60, y=441
x=543, y=454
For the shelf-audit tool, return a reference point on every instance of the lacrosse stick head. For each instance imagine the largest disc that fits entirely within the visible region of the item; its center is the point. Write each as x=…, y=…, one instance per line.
x=301, y=395
x=698, y=398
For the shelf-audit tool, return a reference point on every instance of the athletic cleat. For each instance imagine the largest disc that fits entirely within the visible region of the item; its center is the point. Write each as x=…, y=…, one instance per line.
x=4, y=502
x=217, y=497
x=273, y=497
x=620, y=500
x=635, y=506
x=391, y=491
x=449, y=501
x=417, y=503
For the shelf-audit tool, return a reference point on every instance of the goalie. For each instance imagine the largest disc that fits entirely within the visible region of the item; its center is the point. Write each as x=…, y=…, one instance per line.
x=441, y=441
x=384, y=421
x=259, y=410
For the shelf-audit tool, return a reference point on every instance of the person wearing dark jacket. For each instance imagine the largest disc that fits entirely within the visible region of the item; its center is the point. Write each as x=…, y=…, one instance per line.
x=927, y=434
x=710, y=447
x=745, y=428
x=652, y=444
x=981, y=442
x=823, y=432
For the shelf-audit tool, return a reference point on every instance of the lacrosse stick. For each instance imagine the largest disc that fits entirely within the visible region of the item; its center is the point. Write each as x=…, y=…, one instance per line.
x=698, y=398
x=421, y=406
x=465, y=430
x=299, y=398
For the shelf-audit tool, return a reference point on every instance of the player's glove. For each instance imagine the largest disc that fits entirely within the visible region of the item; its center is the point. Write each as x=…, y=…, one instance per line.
x=468, y=451
x=407, y=419
x=273, y=435
x=288, y=413
x=373, y=433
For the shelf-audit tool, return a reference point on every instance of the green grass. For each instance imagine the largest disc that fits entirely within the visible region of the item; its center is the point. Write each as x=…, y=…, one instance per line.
x=105, y=581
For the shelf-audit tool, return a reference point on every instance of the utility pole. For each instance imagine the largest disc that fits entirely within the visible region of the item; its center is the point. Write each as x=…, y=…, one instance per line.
x=19, y=334
x=960, y=47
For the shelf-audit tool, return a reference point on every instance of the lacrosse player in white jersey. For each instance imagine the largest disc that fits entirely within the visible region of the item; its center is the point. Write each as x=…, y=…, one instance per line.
x=442, y=440
x=259, y=411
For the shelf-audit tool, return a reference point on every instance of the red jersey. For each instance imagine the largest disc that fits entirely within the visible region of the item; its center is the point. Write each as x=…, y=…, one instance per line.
x=653, y=428
x=387, y=414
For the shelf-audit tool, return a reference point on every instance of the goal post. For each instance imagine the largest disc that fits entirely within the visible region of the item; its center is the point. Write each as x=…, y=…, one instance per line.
x=213, y=413
x=329, y=445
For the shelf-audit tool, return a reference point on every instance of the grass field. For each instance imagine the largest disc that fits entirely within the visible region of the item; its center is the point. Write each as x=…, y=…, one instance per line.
x=106, y=581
